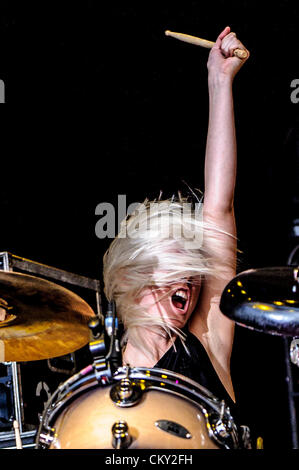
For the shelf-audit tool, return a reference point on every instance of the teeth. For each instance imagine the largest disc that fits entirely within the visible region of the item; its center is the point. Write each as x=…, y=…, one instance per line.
x=182, y=293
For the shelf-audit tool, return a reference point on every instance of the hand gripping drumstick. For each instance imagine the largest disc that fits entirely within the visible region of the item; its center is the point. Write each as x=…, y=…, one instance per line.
x=240, y=53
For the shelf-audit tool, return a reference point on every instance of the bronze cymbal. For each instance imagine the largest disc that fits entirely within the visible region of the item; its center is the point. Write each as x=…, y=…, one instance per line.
x=43, y=319
x=265, y=300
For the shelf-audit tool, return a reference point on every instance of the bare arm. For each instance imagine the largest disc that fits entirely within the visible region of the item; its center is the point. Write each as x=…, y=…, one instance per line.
x=208, y=323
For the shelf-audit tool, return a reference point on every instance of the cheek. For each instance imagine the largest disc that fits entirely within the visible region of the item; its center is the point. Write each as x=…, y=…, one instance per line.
x=155, y=303
x=146, y=300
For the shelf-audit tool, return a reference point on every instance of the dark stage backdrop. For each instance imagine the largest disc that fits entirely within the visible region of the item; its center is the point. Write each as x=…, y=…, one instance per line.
x=100, y=103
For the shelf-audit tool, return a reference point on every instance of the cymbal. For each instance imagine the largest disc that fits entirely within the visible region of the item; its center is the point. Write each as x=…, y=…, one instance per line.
x=43, y=319
x=265, y=300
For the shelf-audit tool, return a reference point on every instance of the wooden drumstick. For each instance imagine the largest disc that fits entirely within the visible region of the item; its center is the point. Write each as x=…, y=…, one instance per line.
x=17, y=434
x=240, y=53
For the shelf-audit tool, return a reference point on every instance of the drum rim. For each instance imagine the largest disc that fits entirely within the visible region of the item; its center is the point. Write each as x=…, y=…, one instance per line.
x=173, y=374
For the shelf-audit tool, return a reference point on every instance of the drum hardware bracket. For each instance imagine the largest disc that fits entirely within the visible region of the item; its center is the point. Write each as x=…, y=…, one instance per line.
x=124, y=393
x=221, y=427
x=102, y=372
x=106, y=359
x=121, y=438
x=173, y=428
x=294, y=351
x=97, y=347
x=221, y=430
x=47, y=437
x=102, y=369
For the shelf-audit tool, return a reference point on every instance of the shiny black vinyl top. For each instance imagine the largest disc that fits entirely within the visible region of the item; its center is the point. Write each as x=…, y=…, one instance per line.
x=266, y=300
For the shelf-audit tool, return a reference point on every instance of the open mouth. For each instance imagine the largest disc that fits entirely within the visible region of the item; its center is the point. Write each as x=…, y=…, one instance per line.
x=180, y=299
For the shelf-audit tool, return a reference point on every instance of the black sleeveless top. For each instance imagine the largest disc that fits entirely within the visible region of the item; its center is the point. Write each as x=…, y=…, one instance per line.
x=196, y=366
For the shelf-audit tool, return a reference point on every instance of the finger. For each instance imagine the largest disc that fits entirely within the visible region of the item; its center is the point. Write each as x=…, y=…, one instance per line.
x=229, y=45
x=228, y=41
x=221, y=36
x=230, y=36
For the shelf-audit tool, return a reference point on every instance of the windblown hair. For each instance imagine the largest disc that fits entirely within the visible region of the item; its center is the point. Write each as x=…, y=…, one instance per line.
x=162, y=243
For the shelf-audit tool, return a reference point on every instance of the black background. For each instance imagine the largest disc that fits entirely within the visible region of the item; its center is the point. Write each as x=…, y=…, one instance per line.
x=100, y=103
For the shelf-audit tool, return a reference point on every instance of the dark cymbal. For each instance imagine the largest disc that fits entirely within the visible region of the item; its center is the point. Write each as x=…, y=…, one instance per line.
x=43, y=319
x=265, y=299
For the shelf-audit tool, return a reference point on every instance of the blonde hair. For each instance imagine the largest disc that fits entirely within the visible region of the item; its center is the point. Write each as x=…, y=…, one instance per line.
x=162, y=243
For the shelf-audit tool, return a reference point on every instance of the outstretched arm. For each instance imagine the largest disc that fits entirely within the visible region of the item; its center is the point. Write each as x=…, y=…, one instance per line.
x=216, y=331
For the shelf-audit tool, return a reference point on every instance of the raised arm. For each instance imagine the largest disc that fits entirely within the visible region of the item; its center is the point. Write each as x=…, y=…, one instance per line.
x=221, y=151
x=214, y=330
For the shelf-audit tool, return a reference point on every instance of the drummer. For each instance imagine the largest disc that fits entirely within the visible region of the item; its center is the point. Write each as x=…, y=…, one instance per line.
x=166, y=287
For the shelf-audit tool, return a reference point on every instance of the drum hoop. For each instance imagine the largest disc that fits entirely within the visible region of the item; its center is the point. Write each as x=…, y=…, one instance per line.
x=141, y=373
x=172, y=374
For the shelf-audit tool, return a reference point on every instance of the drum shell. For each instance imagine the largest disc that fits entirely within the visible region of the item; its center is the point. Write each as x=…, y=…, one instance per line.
x=87, y=422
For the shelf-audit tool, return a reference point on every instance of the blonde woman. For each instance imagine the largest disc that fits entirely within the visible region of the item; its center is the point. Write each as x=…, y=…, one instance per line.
x=169, y=264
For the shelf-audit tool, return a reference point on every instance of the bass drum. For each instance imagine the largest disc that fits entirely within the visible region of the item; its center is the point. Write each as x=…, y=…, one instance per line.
x=140, y=408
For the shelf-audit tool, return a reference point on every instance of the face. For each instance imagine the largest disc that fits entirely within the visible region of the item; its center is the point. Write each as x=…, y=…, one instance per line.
x=174, y=304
